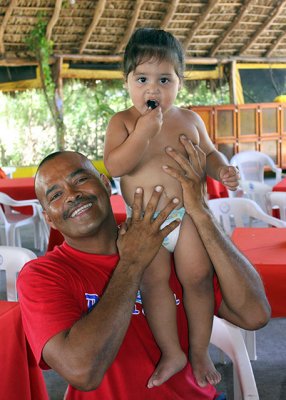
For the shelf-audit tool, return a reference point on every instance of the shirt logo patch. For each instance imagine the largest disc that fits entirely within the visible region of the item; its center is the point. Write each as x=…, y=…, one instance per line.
x=92, y=299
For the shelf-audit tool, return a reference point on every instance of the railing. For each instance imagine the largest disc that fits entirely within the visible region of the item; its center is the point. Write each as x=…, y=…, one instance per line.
x=235, y=128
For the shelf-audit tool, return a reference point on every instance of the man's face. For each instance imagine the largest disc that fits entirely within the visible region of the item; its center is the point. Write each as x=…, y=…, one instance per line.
x=74, y=199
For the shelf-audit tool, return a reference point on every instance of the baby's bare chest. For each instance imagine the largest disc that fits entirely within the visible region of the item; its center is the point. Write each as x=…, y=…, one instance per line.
x=169, y=136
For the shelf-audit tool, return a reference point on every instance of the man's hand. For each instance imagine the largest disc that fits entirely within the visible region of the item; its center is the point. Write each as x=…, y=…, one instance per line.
x=191, y=174
x=140, y=237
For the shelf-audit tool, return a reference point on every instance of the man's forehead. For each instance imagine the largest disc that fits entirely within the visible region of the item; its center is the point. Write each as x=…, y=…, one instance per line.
x=68, y=162
x=62, y=167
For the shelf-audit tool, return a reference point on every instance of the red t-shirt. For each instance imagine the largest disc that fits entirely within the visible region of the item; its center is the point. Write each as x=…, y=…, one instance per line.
x=57, y=289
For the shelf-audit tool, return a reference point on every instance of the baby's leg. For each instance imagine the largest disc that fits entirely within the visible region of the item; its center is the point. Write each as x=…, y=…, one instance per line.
x=160, y=310
x=195, y=272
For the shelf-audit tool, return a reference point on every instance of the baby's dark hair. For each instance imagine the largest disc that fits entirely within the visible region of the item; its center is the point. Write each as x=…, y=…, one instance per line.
x=148, y=43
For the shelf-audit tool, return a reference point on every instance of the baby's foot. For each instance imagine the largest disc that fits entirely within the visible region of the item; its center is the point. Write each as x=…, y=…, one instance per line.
x=167, y=367
x=204, y=370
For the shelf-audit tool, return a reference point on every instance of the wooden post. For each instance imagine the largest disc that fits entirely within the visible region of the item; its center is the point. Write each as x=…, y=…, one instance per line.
x=232, y=84
x=58, y=101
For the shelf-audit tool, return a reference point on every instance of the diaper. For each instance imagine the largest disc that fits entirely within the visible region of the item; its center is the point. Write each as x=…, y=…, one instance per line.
x=170, y=241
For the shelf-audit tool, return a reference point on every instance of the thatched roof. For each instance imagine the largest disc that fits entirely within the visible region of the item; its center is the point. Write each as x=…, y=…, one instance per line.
x=210, y=31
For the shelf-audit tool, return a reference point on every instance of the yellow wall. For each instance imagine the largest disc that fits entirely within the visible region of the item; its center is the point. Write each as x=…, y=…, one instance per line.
x=27, y=172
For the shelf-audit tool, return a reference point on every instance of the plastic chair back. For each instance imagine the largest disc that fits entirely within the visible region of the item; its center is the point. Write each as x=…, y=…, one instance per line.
x=240, y=212
x=277, y=200
x=229, y=339
x=12, y=259
x=257, y=192
x=251, y=165
x=13, y=220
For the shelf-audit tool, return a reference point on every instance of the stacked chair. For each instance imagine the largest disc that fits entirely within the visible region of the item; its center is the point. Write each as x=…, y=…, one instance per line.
x=250, y=205
x=277, y=200
x=251, y=165
x=12, y=220
x=12, y=259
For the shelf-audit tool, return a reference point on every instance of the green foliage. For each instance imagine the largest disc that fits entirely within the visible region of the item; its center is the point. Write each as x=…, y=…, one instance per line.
x=202, y=94
x=42, y=48
x=27, y=131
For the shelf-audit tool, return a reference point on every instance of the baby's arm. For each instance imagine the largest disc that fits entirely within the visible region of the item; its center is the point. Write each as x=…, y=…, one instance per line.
x=124, y=150
x=218, y=169
x=216, y=166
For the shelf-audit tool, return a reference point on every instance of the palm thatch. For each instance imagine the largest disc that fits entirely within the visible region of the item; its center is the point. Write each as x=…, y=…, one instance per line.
x=214, y=31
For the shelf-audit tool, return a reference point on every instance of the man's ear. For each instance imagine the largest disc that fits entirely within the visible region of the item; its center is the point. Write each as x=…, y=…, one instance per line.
x=106, y=183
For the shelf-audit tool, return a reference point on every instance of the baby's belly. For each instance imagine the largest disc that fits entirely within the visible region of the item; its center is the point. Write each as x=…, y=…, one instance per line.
x=148, y=177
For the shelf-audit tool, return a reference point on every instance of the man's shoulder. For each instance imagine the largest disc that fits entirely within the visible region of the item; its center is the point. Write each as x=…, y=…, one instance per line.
x=52, y=259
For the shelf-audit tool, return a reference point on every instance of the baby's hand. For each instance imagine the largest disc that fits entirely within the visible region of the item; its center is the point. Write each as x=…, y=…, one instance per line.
x=229, y=176
x=150, y=123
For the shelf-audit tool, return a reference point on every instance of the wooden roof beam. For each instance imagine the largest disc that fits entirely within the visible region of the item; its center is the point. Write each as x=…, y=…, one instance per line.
x=16, y=62
x=54, y=18
x=276, y=11
x=232, y=26
x=131, y=26
x=199, y=21
x=169, y=15
x=7, y=15
x=99, y=9
x=275, y=45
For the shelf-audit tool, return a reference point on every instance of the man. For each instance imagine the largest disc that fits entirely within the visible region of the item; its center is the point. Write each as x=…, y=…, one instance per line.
x=80, y=303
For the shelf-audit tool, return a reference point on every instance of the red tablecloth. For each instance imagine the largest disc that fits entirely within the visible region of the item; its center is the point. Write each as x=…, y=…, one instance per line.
x=19, y=189
x=216, y=189
x=20, y=377
x=280, y=186
x=119, y=211
x=266, y=249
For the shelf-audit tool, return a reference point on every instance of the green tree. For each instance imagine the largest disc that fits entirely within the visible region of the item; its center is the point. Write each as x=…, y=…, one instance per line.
x=42, y=48
x=28, y=132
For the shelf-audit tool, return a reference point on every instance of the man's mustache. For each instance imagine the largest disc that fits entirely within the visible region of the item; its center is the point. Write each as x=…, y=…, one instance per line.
x=91, y=198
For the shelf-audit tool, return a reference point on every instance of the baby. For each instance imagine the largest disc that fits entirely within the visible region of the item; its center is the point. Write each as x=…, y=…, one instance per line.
x=135, y=151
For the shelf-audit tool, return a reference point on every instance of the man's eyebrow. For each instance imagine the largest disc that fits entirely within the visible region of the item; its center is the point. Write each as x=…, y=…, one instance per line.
x=51, y=189
x=77, y=172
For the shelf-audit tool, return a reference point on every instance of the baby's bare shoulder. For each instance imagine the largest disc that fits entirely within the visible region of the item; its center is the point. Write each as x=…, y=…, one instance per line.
x=191, y=115
x=122, y=115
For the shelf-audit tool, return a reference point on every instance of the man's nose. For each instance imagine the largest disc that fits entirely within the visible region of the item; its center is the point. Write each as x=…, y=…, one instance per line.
x=73, y=194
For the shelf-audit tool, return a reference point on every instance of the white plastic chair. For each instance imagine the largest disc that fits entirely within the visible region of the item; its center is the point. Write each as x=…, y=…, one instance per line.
x=251, y=165
x=116, y=181
x=12, y=220
x=12, y=259
x=228, y=338
x=256, y=191
x=9, y=171
x=277, y=199
x=240, y=212
x=44, y=231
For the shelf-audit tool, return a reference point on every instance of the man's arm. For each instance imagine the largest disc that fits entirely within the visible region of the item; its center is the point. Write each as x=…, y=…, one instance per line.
x=244, y=300
x=83, y=353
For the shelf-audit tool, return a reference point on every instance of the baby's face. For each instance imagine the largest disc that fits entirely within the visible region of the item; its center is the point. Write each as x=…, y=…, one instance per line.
x=156, y=81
